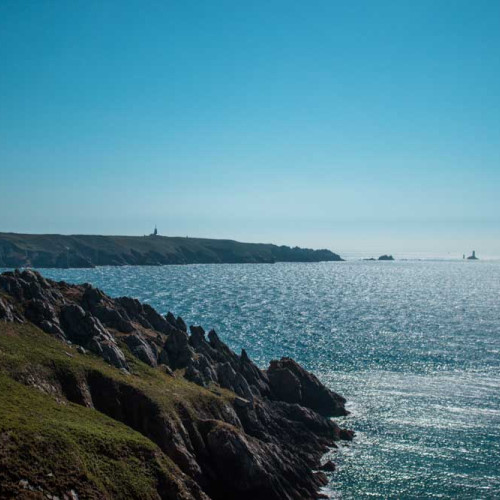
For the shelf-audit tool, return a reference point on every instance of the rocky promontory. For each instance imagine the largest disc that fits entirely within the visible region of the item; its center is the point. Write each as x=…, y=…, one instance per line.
x=64, y=251
x=107, y=398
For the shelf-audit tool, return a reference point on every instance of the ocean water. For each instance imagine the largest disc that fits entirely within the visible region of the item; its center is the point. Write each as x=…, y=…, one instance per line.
x=414, y=346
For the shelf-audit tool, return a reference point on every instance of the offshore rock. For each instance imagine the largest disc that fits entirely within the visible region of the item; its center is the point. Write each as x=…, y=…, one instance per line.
x=386, y=257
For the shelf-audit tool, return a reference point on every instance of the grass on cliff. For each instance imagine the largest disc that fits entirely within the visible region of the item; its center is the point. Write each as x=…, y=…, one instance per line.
x=58, y=446
x=27, y=351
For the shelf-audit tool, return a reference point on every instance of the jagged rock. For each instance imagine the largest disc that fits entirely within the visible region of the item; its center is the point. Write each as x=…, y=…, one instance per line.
x=201, y=371
x=233, y=454
x=193, y=375
x=328, y=466
x=291, y=383
x=37, y=310
x=257, y=379
x=178, y=350
x=216, y=342
x=80, y=326
x=234, y=381
x=113, y=319
x=53, y=328
x=263, y=443
x=157, y=321
x=346, y=434
x=163, y=358
x=84, y=329
x=216, y=353
x=166, y=369
x=135, y=311
x=141, y=349
x=285, y=385
x=12, y=284
x=177, y=323
x=170, y=318
x=5, y=311
x=96, y=302
x=180, y=324
x=197, y=338
x=109, y=351
x=199, y=343
x=92, y=297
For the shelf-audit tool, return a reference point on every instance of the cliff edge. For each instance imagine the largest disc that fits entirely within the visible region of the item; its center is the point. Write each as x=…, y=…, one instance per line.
x=64, y=251
x=106, y=398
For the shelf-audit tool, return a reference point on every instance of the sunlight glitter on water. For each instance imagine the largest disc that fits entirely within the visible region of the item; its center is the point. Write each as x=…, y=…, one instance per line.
x=412, y=345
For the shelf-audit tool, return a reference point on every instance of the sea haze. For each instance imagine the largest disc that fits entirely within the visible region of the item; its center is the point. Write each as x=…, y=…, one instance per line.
x=414, y=346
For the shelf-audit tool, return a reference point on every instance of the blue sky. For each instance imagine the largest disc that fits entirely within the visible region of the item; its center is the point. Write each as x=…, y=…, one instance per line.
x=349, y=125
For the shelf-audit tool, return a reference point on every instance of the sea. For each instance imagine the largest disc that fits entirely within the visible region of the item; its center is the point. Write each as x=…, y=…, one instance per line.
x=414, y=346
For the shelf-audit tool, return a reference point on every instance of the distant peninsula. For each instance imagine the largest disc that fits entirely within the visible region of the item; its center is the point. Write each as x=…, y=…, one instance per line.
x=86, y=251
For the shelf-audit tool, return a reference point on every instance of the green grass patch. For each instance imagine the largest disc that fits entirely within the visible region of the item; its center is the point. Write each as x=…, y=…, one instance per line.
x=57, y=446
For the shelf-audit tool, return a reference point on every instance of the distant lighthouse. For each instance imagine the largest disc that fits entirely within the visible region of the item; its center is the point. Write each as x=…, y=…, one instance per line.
x=473, y=256
x=155, y=232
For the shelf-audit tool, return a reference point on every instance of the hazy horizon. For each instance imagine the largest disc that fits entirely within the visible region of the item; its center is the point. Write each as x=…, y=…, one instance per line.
x=370, y=127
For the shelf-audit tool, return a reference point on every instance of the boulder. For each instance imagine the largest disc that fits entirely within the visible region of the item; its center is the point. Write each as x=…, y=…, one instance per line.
x=141, y=349
x=285, y=385
x=178, y=350
x=291, y=383
x=108, y=350
x=234, y=381
x=52, y=328
x=328, y=466
x=37, y=310
x=177, y=323
x=156, y=320
x=80, y=326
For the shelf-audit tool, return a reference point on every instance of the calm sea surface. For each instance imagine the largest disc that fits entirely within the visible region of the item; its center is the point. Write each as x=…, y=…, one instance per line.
x=414, y=346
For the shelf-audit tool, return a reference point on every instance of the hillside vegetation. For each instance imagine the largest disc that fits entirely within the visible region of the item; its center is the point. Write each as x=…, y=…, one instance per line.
x=55, y=250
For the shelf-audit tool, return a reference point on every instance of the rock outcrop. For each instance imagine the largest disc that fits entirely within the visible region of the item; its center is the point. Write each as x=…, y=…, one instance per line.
x=386, y=257
x=291, y=383
x=264, y=435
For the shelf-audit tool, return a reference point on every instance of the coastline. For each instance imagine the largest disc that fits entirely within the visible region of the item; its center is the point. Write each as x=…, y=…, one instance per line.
x=230, y=429
x=87, y=251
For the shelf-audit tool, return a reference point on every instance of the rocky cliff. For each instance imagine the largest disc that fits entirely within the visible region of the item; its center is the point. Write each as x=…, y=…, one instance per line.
x=106, y=398
x=55, y=250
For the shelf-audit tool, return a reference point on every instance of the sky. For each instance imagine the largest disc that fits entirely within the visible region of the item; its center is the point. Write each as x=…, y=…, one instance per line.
x=357, y=126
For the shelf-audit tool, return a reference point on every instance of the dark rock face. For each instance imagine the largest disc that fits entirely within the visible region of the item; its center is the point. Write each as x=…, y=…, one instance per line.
x=86, y=330
x=5, y=311
x=141, y=349
x=291, y=383
x=328, y=466
x=263, y=442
